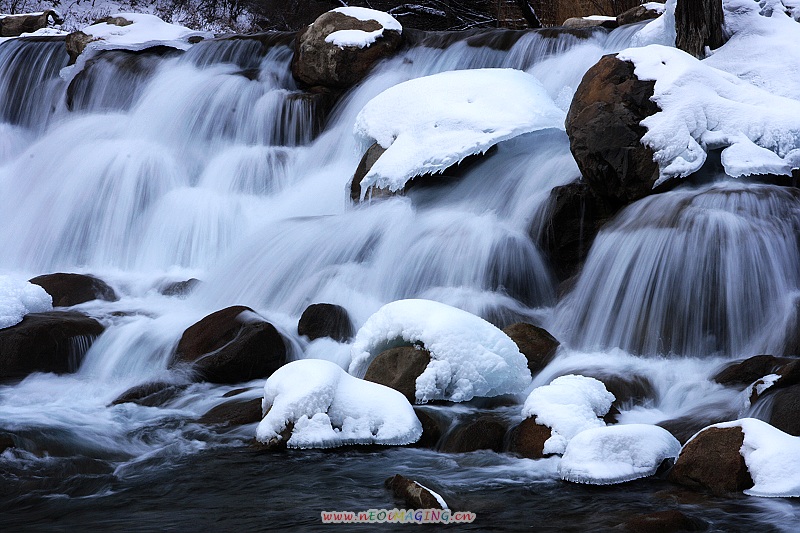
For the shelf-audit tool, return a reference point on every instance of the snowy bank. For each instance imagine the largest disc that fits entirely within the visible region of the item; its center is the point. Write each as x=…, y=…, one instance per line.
x=326, y=407
x=615, y=454
x=361, y=38
x=431, y=123
x=469, y=356
x=18, y=298
x=744, y=98
x=568, y=405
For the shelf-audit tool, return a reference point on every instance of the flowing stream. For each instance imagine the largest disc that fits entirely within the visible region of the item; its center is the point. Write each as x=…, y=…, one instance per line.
x=150, y=168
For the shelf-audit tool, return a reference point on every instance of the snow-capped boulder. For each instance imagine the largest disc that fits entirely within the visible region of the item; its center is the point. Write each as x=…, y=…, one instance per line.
x=568, y=405
x=615, y=454
x=605, y=134
x=341, y=46
x=325, y=407
x=538, y=346
x=527, y=439
x=73, y=289
x=428, y=124
x=16, y=25
x=413, y=494
x=592, y=21
x=743, y=454
x=232, y=345
x=18, y=298
x=469, y=356
x=640, y=13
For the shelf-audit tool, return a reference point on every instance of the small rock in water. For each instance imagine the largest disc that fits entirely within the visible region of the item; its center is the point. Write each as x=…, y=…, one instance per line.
x=664, y=522
x=6, y=442
x=432, y=428
x=73, y=289
x=326, y=320
x=399, y=369
x=180, y=288
x=413, y=494
x=154, y=394
x=485, y=433
x=712, y=460
x=234, y=413
x=528, y=438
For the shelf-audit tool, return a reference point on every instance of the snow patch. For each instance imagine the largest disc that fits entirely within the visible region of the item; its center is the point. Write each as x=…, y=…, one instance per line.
x=361, y=38
x=18, y=298
x=469, y=356
x=772, y=458
x=431, y=123
x=615, y=454
x=145, y=31
x=330, y=408
x=568, y=405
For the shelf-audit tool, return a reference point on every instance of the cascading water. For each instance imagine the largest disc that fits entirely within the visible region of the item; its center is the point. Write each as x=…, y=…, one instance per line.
x=147, y=168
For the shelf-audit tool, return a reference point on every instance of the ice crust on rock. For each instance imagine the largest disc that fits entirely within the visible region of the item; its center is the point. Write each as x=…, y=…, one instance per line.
x=330, y=408
x=615, y=454
x=469, y=356
x=772, y=458
x=18, y=298
x=429, y=124
x=144, y=32
x=744, y=98
x=361, y=38
x=568, y=405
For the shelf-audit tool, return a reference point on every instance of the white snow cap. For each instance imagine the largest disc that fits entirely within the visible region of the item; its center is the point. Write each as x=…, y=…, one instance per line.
x=361, y=38
x=428, y=124
x=330, y=408
x=469, y=356
x=615, y=454
x=144, y=32
x=740, y=99
x=18, y=298
x=568, y=405
x=772, y=458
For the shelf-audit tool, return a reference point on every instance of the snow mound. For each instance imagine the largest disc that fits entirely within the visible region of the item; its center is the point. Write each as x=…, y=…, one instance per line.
x=431, y=123
x=145, y=31
x=328, y=408
x=739, y=99
x=18, y=298
x=772, y=458
x=615, y=454
x=568, y=405
x=361, y=38
x=469, y=356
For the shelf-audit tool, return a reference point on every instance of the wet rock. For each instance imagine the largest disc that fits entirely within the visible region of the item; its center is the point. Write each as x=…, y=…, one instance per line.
x=234, y=413
x=574, y=214
x=6, y=442
x=236, y=392
x=433, y=427
x=527, y=439
x=276, y=444
x=712, y=460
x=629, y=390
x=16, y=25
x=180, y=288
x=73, y=289
x=485, y=433
x=685, y=427
x=317, y=62
x=231, y=346
x=326, y=320
x=746, y=372
x=154, y=394
x=786, y=410
x=637, y=14
x=412, y=494
x=46, y=342
x=535, y=343
x=664, y=522
x=370, y=156
x=603, y=124
x=399, y=369
x=581, y=22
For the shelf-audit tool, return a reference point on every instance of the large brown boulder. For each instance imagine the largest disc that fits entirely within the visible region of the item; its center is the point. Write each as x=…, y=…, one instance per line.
x=231, y=346
x=412, y=494
x=399, y=369
x=326, y=320
x=535, y=343
x=320, y=63
x=16, y=25
x=712, y=460
x=605, y=134
x=528, y=438
x=73, y=289
x=46, y=342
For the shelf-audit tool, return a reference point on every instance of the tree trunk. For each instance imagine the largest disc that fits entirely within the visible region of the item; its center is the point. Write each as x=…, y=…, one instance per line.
x=699, y=24
x=529, y=14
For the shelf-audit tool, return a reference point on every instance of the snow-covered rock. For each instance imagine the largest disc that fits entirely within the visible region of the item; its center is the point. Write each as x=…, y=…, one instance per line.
x=772, y=458
x=469, y=356
x=18, y=298
x=360, y=38
x=326, y=407
x=143, y=31
x=744, y=98
x=615, y=454
x=429, y=124
x=568, y=405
